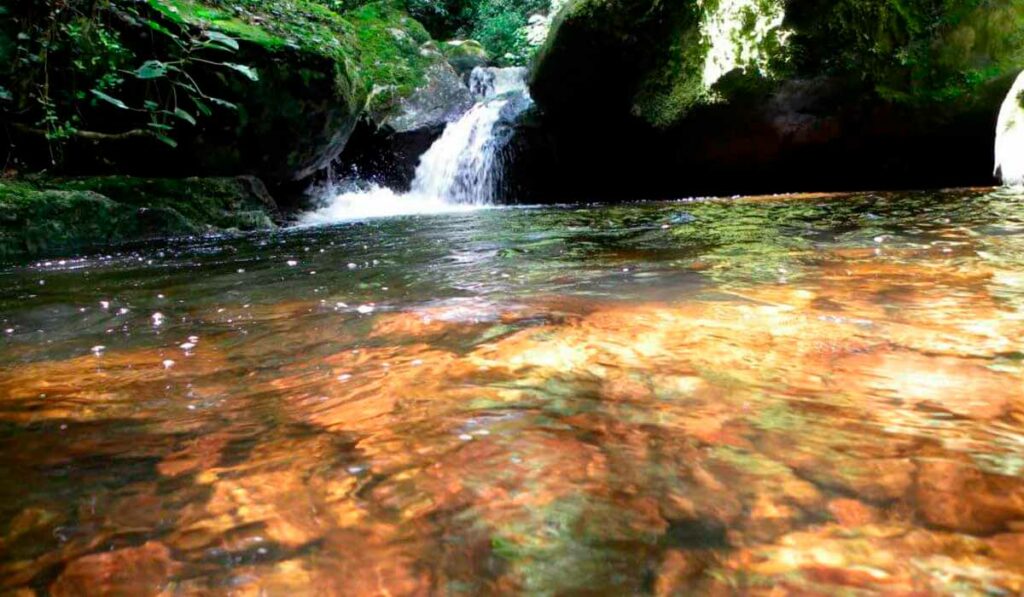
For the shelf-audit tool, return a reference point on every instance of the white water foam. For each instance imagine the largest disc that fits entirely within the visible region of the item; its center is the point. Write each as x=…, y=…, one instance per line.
x=1010, y=136
x=460, y=172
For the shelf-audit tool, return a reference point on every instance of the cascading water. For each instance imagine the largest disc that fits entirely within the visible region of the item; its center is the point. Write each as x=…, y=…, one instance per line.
x=1010, y=136
x=462, y=170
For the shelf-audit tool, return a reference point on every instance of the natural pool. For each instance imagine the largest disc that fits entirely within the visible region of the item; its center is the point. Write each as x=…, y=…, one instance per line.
x=819, y=394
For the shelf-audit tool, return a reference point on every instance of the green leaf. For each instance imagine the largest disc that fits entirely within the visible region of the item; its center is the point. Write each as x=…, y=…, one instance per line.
x=185, y=116
x=150, y=105
x=151, y=69
x=110, y=100
x=224, y=40
x=223, y=103
x=158, y=27
x=160, y=126
x=166, y=139
x=201, y=107
x=248, y=71
x=186, y=85
x=5, y=95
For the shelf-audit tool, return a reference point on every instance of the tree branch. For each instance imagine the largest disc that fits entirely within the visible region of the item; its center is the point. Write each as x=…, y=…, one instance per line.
x=92, y=135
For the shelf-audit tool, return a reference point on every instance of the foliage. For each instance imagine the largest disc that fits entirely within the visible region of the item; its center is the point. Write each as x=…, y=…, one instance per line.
x=500, y=25
x=445, y=19
x=76, y=70
x=501, y=28
x=911, y=50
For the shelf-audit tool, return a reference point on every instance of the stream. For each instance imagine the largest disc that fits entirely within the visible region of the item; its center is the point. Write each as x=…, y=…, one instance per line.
x=813, y=393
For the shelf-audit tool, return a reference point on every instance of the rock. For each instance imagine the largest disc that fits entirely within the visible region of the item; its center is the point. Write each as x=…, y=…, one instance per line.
x=1007, y=547
x=679, y=569
x=441, y=99
x=47, y=216
x=773, y=92
x=831, y=559
x=310, y=74
x=317, y=73
x=465, y=55
x=143, y=570
x=960, y=497
x=852, y=513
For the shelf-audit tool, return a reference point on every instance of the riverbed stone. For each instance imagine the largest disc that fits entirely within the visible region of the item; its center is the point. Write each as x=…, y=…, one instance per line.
x=144, y=570
x=958, y=496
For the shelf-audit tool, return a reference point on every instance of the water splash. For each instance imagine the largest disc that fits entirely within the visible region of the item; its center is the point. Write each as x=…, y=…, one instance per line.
x=1010, y=136
x=461, y=171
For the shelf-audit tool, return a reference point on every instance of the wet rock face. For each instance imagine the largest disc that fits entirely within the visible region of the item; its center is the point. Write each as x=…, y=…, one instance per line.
x=296, y=119
x=441, y=99
x=685, y=90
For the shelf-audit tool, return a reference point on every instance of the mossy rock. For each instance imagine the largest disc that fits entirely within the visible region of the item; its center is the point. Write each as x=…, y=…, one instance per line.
x=465, y=55
x=299, y=114
x=319, y=71
x=41, y=216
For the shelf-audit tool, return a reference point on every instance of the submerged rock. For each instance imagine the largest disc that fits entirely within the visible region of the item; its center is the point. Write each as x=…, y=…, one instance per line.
x=143, y=570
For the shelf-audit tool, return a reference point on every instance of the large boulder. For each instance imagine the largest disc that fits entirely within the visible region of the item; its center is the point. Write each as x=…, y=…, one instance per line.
x=755, y=95
x=280, y=87
x=319, y=72
x=442, y=97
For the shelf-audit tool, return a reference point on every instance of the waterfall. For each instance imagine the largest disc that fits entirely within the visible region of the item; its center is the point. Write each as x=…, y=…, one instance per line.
x=461, y=171
x=1010, y=136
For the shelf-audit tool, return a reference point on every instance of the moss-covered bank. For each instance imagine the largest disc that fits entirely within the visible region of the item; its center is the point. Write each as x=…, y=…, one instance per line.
x=56, y=216
x=733, y=96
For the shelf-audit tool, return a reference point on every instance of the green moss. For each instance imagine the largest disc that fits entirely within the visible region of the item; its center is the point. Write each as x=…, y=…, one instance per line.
x=196, y=14
x=913, y=51
x=389, y=51
x=377, y=39
x=469, y=48
x=674, y=84
x=49, y=216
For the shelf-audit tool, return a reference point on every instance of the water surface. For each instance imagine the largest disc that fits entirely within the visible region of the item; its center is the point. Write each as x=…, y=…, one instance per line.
x=817, y=394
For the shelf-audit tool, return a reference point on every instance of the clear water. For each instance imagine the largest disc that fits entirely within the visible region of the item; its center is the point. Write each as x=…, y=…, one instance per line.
x=817, y=395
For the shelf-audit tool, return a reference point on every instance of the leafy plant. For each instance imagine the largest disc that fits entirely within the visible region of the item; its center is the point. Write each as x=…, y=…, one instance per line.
x=70, y=63
x=175, y=98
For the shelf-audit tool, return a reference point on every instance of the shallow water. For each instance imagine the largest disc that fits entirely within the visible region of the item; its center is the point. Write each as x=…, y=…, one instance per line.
x=822, y=394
